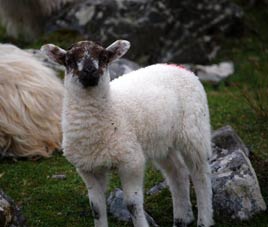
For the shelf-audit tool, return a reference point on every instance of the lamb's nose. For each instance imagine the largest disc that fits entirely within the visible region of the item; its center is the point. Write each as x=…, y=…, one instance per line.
x=89, y=77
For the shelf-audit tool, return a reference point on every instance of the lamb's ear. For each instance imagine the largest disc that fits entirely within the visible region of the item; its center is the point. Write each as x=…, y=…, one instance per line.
x=55, y=53
x=117, y=49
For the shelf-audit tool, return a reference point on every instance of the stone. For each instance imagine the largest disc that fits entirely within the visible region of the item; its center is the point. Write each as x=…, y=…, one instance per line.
x=213, y=73
x=121, y=67
x=59, y=176
x=185, y=31
x=157, y=188
x=10, y=214
x=118, y=209
x=236, y=191
x=227, y=138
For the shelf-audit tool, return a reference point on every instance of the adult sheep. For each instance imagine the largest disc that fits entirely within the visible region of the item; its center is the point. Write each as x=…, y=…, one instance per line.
x=159, y=112
x=27, y=17
x=30, y=105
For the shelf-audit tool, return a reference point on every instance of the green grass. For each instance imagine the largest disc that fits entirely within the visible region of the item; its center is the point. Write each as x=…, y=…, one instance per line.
x=47, y=202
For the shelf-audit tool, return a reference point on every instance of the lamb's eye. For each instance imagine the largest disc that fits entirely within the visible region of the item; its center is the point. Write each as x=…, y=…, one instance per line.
x=104, y=58
x=70, y=61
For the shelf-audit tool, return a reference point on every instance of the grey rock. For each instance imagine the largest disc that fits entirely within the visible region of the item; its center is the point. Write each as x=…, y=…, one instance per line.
x=121, y=67
x=118, y=209
x=236, y=191
x=159, y=30
x=227, y=138
x=213, y=73
x=59, y=176
x=157, y=188
x=10, y=214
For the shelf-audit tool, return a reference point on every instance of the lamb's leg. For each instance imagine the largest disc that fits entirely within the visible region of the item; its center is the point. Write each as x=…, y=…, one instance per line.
x=195, y=143
x=96, y=185
x=177, y=177
x=132, y=183
x=200, y=175
x=202, y=185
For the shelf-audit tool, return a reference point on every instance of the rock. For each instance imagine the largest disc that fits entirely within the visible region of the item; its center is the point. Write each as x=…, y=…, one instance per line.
x=159, y=30
x=236, y=191
x=157, y=188
x=118, y=209
x=226, y=138
x=213, y=73
x=59, y=176
x=121, y=67
x=10, y=214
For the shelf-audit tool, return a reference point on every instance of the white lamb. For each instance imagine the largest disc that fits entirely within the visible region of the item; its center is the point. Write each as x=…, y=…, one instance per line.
x=159, y=112
x=30, y=105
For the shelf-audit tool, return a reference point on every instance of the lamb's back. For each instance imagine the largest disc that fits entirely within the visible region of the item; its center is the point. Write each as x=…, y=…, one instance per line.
x=155, y=99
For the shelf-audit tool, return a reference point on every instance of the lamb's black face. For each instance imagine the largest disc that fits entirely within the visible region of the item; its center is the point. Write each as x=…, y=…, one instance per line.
x=87, y=61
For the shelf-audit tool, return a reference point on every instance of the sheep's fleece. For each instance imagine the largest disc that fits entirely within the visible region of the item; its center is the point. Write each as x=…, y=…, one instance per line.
x=30, y=105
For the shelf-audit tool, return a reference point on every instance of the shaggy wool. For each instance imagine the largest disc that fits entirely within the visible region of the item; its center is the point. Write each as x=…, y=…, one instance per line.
x=30, y=105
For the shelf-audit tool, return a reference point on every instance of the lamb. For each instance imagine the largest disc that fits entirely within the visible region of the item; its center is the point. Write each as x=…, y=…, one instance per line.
x=27, y=17
x=159, y=113
x=30, y=105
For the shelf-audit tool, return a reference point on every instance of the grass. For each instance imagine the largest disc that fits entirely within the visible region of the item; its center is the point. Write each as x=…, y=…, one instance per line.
x=48, y=202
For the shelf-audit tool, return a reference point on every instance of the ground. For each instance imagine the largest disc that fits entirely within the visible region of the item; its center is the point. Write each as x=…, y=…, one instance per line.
x=242, y=103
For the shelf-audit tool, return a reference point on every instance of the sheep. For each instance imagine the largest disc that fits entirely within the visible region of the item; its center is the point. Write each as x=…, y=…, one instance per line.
x=30, y=105
x=27, y=17
x=159, y=113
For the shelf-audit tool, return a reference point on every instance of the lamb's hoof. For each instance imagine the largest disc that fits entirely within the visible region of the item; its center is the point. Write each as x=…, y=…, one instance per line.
x=179, y=223
x=202, y=225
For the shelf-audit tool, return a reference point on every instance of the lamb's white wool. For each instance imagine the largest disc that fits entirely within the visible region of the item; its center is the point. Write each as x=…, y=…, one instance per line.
x=30, y=105
x=159, y=112
x=27, y=17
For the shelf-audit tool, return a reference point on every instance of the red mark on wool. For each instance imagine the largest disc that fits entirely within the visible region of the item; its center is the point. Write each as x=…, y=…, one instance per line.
x=177, y=66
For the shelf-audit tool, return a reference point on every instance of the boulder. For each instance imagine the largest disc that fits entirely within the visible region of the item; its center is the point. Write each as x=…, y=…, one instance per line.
x=212, y=73
x=227, y=138
x=118, y=209
x=121, y=67
x=10, y=214
x=236, y=191
x=159, y=30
